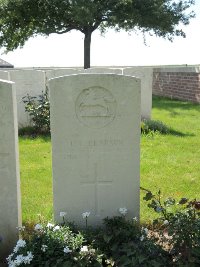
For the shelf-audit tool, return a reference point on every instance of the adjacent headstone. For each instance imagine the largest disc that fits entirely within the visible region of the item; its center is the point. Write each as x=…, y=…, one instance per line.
x=10, y=211
x=104, y=70
x=60, y=72
x=95, y=127
x=146, y=76
x=4, y=75
x=30, y=82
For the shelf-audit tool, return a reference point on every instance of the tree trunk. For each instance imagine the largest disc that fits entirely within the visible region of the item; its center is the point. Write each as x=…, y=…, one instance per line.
x=87, y=42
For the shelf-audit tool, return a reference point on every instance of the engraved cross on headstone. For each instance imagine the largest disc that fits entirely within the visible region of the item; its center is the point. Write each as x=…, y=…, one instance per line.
x=97, y=181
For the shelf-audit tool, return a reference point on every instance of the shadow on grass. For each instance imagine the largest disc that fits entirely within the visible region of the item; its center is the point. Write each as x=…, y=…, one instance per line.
x=31, y=132
x=164, y=103
x=156, y=126
x=178, y=109
x=177, y=133
x=170, y=131
x=45, y=138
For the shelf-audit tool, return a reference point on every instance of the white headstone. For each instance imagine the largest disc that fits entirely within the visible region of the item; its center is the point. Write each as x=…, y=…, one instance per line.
x=146, y=76
x=95, y=127
x=104, y=70
x=30, y=82
x=10, y=205
x=60, y=72
x=4, y=75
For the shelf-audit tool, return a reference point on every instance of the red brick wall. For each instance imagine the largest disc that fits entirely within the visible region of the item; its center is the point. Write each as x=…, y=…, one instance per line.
x=177, y=85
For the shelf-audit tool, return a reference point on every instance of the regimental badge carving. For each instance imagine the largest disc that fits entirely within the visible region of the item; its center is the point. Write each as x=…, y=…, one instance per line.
x=95, y=107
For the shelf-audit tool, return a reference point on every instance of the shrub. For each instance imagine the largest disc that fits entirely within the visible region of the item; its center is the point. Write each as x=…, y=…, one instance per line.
x=53, y=245
x=148, y=126
x=178, y=227
x=174, y=240
x=28, y=130
x=38, y=109
x=119, y=242
x=128, y=244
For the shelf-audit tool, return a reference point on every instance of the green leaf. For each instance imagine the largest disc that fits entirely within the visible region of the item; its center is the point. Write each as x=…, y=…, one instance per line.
x=141, y=258
x=148, y=196
x=107, y=238
x=183, y=201
x=130, y=253
x=125, y=261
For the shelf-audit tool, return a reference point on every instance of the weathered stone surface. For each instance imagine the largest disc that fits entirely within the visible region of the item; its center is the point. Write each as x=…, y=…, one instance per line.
x=61, y=72
x=4, y=75
x=10, y=204
x=146, y=76
x=95, y=122
x=104, y=70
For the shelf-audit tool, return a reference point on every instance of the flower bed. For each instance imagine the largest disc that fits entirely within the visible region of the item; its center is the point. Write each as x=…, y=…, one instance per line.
x=173, y=239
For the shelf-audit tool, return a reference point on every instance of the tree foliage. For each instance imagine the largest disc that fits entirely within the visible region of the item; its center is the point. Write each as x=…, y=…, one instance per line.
x=22, y=19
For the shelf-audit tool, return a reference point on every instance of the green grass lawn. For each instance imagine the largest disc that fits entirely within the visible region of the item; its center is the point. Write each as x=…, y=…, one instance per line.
x=170, y=163
x=36, y=178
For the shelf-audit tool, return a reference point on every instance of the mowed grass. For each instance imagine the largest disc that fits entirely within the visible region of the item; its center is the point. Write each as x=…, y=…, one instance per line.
x=36, y=178
x=170, y=163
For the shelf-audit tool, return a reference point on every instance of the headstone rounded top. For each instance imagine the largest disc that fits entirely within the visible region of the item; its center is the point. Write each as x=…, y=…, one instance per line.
x=95, y=107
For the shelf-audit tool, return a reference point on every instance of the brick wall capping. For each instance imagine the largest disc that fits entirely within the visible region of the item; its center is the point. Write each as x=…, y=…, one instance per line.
x=193, y=69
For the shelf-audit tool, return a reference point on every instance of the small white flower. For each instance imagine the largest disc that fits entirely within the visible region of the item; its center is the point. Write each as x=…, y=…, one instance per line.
x=86, y=214
x=63, y=214
x=67, y=250
x=38, y=227
x=50, y=225
x=145, y=230
x=123, y=211
x=19, y=260
x=135, y=219
x=166, y=222
x=56, y=228
x=142, y=238
x=20, y=244
x=9, y=258
x=28, y=258
x=11, y=264
x=84, y=249
x=44, y=248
